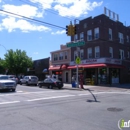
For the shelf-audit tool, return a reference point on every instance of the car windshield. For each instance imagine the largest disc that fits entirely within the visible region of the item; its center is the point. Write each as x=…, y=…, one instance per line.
x=33, y=77
x=3, y=77
x=55, y=80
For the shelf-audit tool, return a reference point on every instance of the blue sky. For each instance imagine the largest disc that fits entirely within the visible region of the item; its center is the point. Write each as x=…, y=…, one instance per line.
x=37, y=39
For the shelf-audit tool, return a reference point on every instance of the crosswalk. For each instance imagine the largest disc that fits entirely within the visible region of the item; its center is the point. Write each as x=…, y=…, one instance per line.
x=22, y=96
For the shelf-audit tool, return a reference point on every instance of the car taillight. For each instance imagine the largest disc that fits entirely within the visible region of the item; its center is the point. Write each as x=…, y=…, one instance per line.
x=55, y=83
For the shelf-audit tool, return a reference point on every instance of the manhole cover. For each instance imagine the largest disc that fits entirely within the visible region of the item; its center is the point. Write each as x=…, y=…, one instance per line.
x=114, y=109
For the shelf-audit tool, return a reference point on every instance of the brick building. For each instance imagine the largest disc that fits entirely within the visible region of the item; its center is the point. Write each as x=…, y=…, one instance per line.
x=105, y=57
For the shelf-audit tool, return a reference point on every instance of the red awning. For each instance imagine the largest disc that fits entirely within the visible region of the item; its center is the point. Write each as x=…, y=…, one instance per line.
x=54, y=68
x=96, y=66
x=64, y=67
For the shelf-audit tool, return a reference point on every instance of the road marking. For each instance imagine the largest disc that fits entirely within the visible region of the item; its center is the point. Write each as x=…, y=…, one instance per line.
x=19, y=91
x=12, y=94
x=1, y=103
x=38, y=99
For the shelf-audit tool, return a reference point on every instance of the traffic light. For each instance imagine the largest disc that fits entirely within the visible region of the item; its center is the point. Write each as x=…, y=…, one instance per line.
x=73, y=30
x=68, y=30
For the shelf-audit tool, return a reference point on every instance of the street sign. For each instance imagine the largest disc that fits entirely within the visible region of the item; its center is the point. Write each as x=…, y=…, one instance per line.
x=78, y=60
x=76, y=44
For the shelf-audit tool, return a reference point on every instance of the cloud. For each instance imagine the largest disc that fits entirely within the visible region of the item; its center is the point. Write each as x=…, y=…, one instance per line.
x=76, y=8
x=35, y=53
x=25, y=10
x=11, y=24
x=58, y=32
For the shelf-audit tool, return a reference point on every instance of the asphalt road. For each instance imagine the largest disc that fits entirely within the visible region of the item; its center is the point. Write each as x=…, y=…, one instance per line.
x=33, y=108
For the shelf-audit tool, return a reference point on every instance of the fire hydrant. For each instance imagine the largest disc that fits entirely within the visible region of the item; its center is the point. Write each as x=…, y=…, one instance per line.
x=81, y=81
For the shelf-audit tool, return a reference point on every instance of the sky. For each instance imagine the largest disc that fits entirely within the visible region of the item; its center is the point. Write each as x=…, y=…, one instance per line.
x=38, y=39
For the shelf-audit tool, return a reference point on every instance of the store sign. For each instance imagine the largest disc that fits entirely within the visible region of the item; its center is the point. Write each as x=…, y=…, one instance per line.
x=100, y=60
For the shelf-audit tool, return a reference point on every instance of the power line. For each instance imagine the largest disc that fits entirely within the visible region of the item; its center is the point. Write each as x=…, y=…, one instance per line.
x=32, y=19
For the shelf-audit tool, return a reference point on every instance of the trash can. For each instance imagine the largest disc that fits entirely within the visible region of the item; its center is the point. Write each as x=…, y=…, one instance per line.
x=73, y=84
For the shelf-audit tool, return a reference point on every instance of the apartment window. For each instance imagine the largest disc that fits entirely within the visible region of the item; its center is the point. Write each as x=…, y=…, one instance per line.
x=85, y=25
x=66, y=54
x=82, y=54
x=81, y=36
x=127, y=38
x=97, y=52
x=55, y=57
x=89, y=53
x=96, y=33
x=75, y=55
x=111, y=52
x=128, y=54
x=110, y=34
x=121, y=54
x=121, y=39
x=76, y=37
x=61, y=56
x=89, y=35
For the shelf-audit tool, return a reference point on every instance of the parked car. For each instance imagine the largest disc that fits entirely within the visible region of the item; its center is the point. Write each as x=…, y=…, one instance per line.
x=29, y=80
x=13, y=77
x=6, y=83
x=50, y=83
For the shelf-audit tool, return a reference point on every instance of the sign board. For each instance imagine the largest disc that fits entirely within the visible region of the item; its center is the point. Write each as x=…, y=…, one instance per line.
x=100, y=60
x=76, y=44
x=78, y=60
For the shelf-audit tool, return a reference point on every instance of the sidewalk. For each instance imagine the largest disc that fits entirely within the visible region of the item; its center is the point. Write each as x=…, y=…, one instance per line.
x=123, y=86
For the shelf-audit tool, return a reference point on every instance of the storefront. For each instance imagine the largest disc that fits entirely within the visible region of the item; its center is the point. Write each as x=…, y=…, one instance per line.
x=99, y=71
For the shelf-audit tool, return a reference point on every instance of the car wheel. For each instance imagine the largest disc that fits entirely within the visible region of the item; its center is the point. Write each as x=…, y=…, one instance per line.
x=40, y=86
x=35, y=84
x=27, y=84
x=50, y=87
x=59, y=87
x=13, y=90
x=20, y=83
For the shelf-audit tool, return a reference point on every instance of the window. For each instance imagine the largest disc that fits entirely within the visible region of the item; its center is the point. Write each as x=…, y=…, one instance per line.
x=110, y=34
x=82, y=54
x=76, y=37
x=75, y=55
x=85, y=25
x=128, y=54
x=97, y=52
x=127, y=38
x=55, y=57
x=66, y=54
x=89, y=35
x=111, y=52
x=96, y=33
x=81, y=36
x=61, y=56
x=121, y=54
x=121, y=39
x=89, y=53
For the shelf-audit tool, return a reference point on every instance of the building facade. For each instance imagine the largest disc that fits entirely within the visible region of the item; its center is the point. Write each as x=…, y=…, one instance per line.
x=60, y=61
x=105, y=57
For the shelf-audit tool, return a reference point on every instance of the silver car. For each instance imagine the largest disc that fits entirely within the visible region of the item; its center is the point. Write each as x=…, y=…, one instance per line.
x=29, y=80
x=13, y=77
x=6, y=83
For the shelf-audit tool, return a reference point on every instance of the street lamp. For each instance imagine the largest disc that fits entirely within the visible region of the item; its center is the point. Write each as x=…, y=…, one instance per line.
x=4, y=47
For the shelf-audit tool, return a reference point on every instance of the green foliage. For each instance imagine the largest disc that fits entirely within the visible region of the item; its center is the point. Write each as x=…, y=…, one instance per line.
x=2, y=69
x=17, y=61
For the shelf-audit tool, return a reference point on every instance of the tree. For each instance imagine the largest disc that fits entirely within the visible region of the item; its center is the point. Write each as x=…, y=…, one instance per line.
x=17, y=62
x=2, y=69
